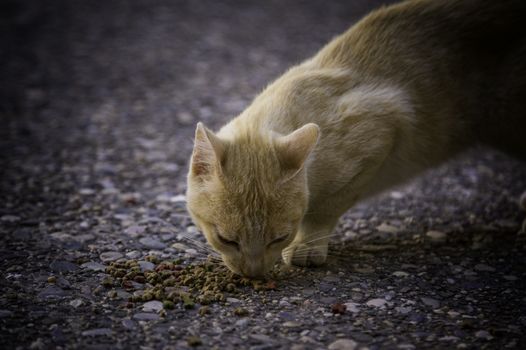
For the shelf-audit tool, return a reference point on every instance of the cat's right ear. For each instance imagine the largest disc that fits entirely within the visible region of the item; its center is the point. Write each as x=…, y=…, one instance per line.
x=294, y=149
x=208, y=152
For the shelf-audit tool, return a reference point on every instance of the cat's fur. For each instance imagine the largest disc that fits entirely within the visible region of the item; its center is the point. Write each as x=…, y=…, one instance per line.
x=402, y=90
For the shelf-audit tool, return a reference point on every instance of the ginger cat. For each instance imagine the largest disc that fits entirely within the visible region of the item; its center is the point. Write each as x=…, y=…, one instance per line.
x=402, y=90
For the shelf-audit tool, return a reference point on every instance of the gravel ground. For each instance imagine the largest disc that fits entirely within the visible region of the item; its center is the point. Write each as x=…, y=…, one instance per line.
x=98, y=105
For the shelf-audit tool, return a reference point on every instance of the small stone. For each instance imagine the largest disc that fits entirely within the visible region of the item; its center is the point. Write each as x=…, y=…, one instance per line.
x=61, y=236
x=51, y=292
x=191, y=252
x=435, y=304
x=233, y=300
x=129, y=324
x=146, y=265
x=404, y=310
x=135, y=231
x=145, y=316
x=193, y=341
x=134, y=254
x=94, y=266
x=436, y=236
x=483, y=335
x=291, y=324
x=287, y=316
x=343, y=344
x=152, y=243
x=352, y=307
x=242, y=323
x=180, y=198
x=400, y=274
x=86, y=191
x=97, y=332
x=509, y=277
x=376, y=247
x=377, y=302
x=179, y=246
x=396, y=195
x=37, y=344
x=9, y=218
x=453, y=313
x=52, y=279
x=384, y=227
x=484, y=267
x=5, y=313
x=261, y=338
x=363, y=268
x=110, y=256
x=63, y=266
x=284, y=303
x=153, y=305
x=450, y=338
x=76, y=303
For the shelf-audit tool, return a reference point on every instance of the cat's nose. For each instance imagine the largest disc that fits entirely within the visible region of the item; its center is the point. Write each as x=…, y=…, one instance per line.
x=253, y=270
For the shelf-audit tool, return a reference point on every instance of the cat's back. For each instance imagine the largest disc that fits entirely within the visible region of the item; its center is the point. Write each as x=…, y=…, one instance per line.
x=462, y=61
x=422, y=31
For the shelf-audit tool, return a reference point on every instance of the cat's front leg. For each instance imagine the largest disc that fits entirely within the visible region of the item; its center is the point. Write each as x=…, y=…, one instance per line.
x=310, y=245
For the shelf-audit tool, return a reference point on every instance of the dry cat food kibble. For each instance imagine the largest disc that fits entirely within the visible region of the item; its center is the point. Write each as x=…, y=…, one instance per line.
x=178, y=282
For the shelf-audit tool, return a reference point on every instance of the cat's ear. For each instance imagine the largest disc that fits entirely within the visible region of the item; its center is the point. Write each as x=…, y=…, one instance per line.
x=208, y=152
x=294, y=148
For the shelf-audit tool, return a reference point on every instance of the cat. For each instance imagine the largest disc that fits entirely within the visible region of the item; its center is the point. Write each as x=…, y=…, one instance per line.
x=404, y=89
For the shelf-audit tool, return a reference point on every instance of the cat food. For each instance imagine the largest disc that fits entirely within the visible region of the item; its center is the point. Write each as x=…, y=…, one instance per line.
x=194, y=341
x=239, y=311
x=338, y=308
x=178, y=282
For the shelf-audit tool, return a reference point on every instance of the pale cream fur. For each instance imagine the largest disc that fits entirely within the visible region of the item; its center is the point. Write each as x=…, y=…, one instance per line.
x=404, y=89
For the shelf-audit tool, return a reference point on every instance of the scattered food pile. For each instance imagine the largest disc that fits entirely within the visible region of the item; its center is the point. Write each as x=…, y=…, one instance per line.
x=178, y=282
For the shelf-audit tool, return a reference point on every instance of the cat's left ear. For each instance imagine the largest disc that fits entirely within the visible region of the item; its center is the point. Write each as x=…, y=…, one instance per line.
x=208, y=152
x=294, y=148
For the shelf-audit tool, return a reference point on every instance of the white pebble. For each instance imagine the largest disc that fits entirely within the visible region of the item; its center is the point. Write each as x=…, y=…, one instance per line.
x=343, y=344
x=436, y=236
x=377, y=302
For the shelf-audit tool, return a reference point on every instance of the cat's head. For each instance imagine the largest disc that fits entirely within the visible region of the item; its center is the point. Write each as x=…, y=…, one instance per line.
x=248, y=193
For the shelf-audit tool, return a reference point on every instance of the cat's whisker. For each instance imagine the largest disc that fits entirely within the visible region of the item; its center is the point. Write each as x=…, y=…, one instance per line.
x=201, y=248
x=196, y=244
x=319, y=238
x=199, y=244
x=310, y=248
x=215, y=258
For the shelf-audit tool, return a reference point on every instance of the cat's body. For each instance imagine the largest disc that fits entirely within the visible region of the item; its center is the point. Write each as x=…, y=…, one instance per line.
x=402, y=90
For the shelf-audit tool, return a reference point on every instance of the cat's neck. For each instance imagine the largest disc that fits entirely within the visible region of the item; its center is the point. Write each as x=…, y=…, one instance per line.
x=306, y=93
x=357, y=117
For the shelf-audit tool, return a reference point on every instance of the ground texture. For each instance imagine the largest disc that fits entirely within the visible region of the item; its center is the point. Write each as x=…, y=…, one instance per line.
x=99, y=101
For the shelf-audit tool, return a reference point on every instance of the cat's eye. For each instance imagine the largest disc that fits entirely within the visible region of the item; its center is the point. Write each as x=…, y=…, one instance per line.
x=228, y=242
x=279, y=240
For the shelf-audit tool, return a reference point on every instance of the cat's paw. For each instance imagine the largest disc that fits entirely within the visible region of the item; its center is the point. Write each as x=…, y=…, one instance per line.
x=301, y=254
